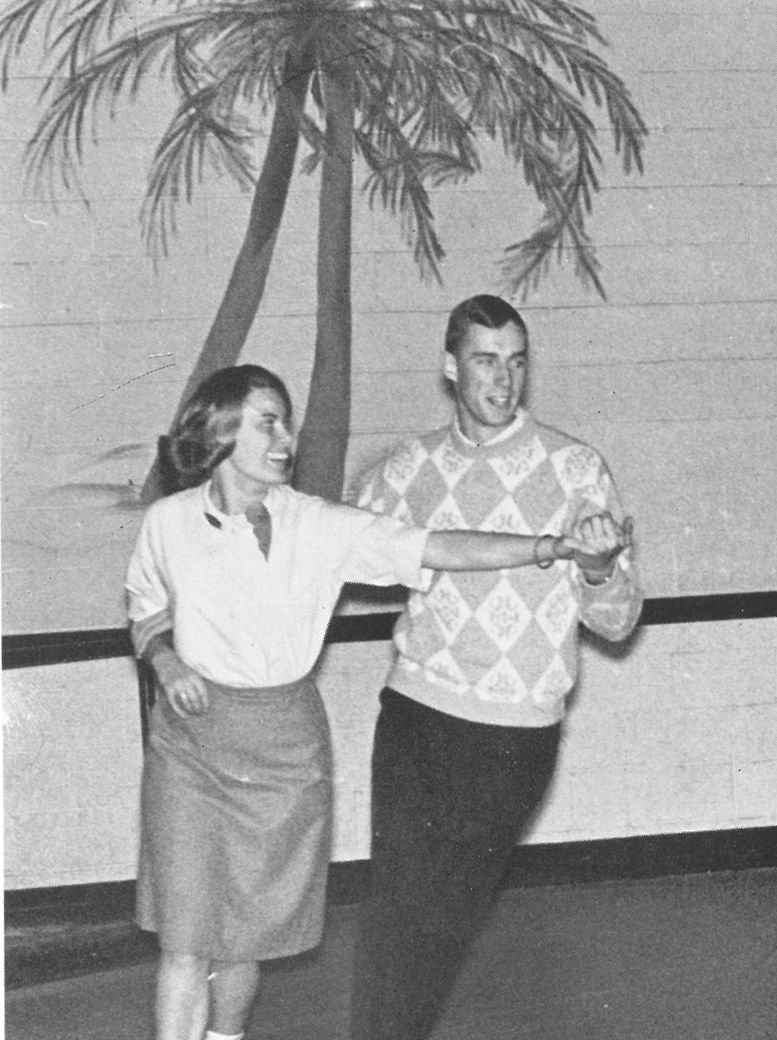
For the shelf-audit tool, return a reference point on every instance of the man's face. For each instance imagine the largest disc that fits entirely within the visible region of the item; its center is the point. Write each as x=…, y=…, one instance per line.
x=263, y=443
x=488, y=372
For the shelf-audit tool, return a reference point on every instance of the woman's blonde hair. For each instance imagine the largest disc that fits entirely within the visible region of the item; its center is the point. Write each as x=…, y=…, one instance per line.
x=205, y=433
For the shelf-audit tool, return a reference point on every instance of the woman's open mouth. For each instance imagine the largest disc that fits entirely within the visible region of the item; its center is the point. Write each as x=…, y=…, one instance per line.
x=279, y=459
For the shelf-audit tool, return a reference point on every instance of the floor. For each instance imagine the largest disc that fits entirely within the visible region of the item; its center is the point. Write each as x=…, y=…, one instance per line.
x=680, y=958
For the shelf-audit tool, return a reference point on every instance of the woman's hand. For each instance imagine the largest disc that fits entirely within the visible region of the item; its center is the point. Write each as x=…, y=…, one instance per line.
x=185, y=689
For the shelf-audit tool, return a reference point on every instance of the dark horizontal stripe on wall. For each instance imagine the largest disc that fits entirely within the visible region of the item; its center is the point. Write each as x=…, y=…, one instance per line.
x=36, y=648
x=72, y=930
x=726, y=606
x=604, y=859
x=642, y=857
x=41, y=648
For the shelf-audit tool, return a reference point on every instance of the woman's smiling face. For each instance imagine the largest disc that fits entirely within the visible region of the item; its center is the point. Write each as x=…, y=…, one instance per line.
x=263, y=450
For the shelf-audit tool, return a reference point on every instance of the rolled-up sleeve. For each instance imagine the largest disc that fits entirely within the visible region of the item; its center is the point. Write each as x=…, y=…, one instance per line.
x=378, y=550
x=148, y=608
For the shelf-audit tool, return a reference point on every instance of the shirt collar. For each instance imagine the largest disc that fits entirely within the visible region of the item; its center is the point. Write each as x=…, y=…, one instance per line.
x=503, y=435
x=213, y=514
x=217, y=519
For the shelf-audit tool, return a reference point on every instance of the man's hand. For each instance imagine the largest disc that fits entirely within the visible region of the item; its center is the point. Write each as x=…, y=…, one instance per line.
x=185, y=689
x=598, y=540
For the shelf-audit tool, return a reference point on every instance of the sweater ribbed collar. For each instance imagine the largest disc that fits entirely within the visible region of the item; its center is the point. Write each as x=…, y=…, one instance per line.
x=521, y=432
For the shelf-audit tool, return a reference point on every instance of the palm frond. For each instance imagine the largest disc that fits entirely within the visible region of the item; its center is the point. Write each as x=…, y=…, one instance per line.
x=522, y=72
x=560, y=232
x=397, y=175
x=56, y=149
x=90, y=24
x=57, y=146
x=15, y=27
x=193, y=138
x=431, y=77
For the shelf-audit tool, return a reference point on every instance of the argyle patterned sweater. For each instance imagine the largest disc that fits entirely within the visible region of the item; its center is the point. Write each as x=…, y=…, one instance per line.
x=500, y=647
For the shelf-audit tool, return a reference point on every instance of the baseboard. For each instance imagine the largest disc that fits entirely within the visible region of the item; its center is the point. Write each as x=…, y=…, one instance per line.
x=54, y=933
x=643, y=856
x=605, y=859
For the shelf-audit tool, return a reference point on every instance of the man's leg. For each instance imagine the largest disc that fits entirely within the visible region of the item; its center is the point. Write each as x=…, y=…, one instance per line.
x=449, y=801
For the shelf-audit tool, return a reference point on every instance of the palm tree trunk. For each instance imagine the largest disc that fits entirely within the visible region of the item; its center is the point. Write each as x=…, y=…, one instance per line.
x=246, y=284
x=323, y=439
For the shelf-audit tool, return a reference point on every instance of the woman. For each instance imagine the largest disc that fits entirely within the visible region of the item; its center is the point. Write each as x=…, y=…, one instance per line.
x=230, y=589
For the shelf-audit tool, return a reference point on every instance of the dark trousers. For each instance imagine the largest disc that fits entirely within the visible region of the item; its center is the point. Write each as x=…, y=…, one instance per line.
x=449, y=801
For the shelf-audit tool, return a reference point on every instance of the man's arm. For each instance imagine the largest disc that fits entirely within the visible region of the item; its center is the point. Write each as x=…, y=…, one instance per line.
x=604, y=581
x=608, y=593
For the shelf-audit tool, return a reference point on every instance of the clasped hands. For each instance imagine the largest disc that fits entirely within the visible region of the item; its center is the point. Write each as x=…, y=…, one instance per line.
x=593, y=543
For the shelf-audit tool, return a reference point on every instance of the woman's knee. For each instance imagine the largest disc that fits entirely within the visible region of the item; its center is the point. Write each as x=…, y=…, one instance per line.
x=184, y=964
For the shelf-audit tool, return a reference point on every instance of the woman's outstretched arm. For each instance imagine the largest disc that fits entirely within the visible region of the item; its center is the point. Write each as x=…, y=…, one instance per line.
x=484, y=550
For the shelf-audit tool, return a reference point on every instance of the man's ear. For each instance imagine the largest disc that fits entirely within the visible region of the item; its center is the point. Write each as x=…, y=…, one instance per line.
x=450, y=371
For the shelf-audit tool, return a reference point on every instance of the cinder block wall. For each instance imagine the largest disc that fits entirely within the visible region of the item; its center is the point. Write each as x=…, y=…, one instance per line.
x=673, y=378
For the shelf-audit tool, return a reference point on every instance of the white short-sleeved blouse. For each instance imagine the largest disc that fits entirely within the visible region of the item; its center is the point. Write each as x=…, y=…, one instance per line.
x=243, y=620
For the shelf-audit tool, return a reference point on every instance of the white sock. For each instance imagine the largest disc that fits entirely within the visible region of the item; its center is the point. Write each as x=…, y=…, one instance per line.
x=211, y=1035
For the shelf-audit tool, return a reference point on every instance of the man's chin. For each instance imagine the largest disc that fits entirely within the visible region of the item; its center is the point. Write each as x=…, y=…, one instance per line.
x=500, y=417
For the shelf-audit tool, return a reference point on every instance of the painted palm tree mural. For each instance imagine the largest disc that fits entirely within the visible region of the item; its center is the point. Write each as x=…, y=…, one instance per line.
x=409, y=89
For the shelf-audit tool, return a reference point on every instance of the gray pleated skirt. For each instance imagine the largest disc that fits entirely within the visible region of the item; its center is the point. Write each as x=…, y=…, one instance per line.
x=236, y=824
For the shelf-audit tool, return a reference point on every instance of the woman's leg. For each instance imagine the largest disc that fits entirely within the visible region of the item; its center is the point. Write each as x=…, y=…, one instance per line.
x=192, y=990
x=233, y=991
x=182, y=997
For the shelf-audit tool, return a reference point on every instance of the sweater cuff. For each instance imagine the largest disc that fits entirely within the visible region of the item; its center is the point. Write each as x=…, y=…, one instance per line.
x=611, y=609
x=601, y=583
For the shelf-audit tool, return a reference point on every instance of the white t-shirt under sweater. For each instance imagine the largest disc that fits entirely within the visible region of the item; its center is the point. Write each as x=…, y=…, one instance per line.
x=500, y=647
x=243, y=620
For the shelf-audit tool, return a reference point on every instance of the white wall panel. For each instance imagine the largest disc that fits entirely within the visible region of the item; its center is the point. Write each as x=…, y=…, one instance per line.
x=672, y=377
x=72, y=759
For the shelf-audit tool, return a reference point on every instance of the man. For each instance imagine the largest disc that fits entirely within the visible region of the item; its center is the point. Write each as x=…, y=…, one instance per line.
x=468, y=733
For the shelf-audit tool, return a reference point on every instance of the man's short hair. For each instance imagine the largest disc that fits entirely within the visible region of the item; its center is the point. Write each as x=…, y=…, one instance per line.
x=205, y=433
x=490, y=311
